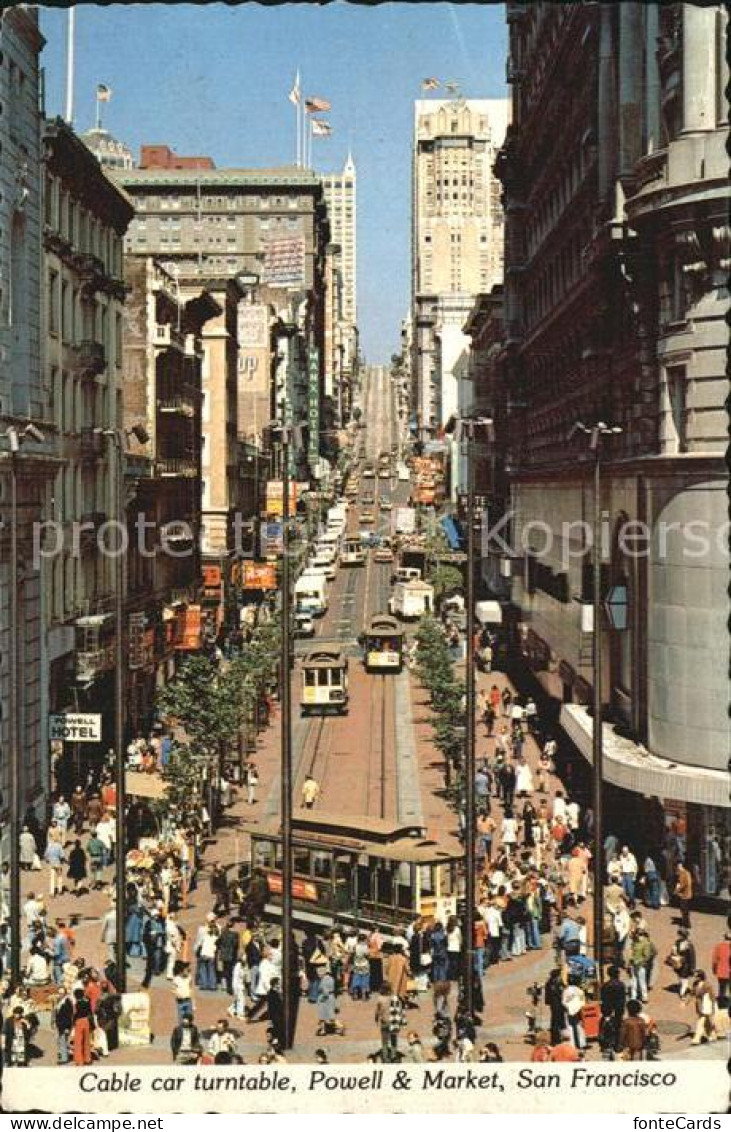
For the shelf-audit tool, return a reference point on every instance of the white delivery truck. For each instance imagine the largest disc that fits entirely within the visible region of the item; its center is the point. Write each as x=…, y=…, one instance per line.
x=411, y=600
x=403, y=521
x=310, y=594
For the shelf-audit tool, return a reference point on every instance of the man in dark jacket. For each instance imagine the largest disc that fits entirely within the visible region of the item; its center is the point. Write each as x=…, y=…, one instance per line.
x=613, y=1000
x=64, y=1022
x=185, y=1042
x=228, y=953
x=553, y=998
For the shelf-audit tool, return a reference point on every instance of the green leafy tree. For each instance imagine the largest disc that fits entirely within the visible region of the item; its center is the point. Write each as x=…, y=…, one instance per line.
x=205, y=704
x=447, y=580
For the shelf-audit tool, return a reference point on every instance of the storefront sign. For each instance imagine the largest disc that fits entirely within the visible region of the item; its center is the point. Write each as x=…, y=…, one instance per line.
x=275, y=497
x=86, y=728
x=259, y=576
x=188, y=635
x=313, y=407
x=272, y=539
x=136, y=633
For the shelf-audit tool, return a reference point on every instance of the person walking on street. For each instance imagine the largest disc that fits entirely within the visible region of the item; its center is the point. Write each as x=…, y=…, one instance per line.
x=54, y=857
x=78, y=809
x=77, y=866
x=720, y=967
x=310, y=792
x=705, y=1009
x=83, y=1024
x=682, y=961
x=633, y=1031
x=628, y=874
x=651, y=884
x=252, y=782
x=683, y=892
x=391, y=1019
x=613, y=1003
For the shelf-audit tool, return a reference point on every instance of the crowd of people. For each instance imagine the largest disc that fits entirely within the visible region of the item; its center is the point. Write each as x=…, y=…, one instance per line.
x=534, y=852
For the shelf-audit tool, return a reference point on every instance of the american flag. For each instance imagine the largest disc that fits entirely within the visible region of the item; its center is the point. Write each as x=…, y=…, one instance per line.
x=316, y=105
x=321, y=129
x=430, y=84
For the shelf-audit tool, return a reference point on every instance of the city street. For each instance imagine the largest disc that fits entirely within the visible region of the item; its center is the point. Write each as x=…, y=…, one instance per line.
x=376, y=764
x=364, y=610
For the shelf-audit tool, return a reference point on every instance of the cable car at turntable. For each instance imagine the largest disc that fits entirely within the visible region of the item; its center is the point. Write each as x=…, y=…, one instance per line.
x=383, y=643
x=324, y=687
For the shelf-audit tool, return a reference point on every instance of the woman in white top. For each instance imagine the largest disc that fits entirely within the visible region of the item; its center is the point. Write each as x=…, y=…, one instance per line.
x=509, y=832
x=454, y=949
x=523, y=779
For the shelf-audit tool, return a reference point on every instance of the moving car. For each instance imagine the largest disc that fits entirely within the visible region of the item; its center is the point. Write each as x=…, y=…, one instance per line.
x=385, y=504
x=367, y=516
x=304, y=626
x=383, y=554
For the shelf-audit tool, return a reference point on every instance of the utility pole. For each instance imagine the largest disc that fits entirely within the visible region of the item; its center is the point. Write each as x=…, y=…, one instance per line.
x=116, y=438
x=469, y=428
x=468, y=942
x=596, y=433
x=286, y=754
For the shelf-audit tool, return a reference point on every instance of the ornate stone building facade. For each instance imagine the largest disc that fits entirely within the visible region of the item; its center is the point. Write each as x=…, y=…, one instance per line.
x=617, y=254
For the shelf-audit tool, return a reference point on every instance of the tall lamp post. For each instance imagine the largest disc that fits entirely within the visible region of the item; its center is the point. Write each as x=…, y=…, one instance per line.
x=116, y=438
x=470, y=429
x=16, y=438
x=596, y=433
x=288, y=434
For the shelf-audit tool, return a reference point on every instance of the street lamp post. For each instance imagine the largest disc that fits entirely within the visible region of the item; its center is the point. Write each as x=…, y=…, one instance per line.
x=469, y=428
x=116, y=438
x=16, y=438
x=288, y=433
x=596, y=433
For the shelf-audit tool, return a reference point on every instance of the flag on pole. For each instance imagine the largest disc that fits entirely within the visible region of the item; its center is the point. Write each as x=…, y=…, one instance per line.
x=295, y=95
x=316, y=105
x=452, y=87
x=430, y=84
x=321, y=129
x=103, y=93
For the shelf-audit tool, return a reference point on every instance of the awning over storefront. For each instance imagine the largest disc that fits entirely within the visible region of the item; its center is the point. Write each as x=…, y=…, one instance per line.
x=454, y=538
x=631, y=767
x=143, y=785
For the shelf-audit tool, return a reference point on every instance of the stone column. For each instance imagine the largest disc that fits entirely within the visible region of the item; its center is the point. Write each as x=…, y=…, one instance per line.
x=606, y=129
x=699, y=68
x=652, y=134
x=630, y=85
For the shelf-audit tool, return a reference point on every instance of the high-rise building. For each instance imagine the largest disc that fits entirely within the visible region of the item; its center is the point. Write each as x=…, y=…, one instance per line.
x=615, y=309
x=340, y=197
x=342, y=355
x=457, y=246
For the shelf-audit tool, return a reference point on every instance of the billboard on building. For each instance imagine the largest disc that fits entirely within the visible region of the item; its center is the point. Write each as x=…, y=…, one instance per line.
x=284, y=261
x=275, y=498
x=272, y=539
x=258, y=576
x=188, y=628
x=253, y=336
x=313, y=407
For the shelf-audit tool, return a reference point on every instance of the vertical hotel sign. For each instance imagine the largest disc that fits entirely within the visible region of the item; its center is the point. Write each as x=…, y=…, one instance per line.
x=313, y=407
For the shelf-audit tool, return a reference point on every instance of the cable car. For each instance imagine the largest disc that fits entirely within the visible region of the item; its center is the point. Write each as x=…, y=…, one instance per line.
x=384, y=644
x=367, y=870
x=324, y=683
x=353, y=552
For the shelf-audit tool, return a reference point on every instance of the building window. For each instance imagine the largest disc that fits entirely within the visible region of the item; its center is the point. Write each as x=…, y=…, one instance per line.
x=678, y=415
x=53, y=315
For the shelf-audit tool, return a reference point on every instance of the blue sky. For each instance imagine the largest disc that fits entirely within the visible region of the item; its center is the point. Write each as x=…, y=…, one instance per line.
x=214, y=79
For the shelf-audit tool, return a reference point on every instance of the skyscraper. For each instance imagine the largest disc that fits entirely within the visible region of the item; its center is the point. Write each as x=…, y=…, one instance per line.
x=457, y=237
x=340, y=197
